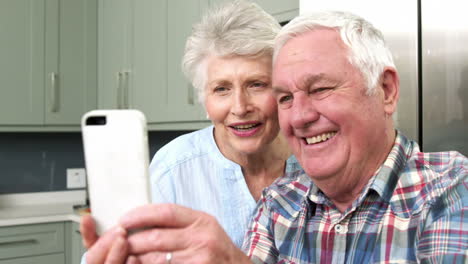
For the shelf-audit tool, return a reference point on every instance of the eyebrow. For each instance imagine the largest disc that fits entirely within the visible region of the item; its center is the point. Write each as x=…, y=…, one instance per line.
x=253, y=77
x=309, y=80
x=306, y=81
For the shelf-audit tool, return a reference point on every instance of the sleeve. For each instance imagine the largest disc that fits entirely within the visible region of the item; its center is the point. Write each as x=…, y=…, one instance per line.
x=259, y=243
x=161, y=180
x=444, y=237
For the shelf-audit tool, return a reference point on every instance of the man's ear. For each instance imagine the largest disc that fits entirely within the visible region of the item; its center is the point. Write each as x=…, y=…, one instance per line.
x=390, y=84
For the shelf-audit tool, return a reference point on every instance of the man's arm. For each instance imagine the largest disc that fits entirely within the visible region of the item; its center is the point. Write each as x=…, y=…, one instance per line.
x=444, y=236
x=259, y=241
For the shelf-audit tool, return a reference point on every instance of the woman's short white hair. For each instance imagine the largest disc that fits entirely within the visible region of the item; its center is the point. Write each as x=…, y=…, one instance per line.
x=368, y=51
x=235, y=28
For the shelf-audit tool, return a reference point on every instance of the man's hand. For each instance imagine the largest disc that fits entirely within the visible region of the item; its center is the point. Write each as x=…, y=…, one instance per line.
x=111, y=248
x=180, y=234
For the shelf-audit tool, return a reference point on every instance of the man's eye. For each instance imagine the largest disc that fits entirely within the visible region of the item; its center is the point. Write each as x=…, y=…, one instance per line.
x=321, y=90
x=284, y=99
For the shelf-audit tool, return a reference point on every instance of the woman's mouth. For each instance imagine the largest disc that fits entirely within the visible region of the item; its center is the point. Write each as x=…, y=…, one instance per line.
x=245, y=130
x=320, y=138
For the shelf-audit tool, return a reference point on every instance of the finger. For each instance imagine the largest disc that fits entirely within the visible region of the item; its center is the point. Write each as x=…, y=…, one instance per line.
x=118, y=252
x=161, y=215
x=88, y=231
x=132, y=260
x=159, y=239
x=97, y=254
x=176, y=257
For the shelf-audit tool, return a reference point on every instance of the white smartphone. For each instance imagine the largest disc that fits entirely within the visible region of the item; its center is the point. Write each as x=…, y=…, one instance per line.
x=117, y=158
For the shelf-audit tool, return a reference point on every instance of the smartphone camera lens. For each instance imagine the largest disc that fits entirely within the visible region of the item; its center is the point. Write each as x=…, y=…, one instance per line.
x=96, y=121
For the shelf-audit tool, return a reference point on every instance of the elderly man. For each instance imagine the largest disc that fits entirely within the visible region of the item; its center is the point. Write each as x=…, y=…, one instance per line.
x=366, y=193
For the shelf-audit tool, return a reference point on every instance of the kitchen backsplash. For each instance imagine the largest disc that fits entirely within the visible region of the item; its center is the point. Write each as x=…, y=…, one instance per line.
x=37, y=162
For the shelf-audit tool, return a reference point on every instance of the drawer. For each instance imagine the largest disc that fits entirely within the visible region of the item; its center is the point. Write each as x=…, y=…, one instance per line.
x=31, y=240
x=46, y=259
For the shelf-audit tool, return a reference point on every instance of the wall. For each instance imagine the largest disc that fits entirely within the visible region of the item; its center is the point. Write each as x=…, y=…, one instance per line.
x=37, y=162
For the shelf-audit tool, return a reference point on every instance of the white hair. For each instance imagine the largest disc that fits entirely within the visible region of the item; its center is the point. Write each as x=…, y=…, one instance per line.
x=368, y=51
x=236, y=28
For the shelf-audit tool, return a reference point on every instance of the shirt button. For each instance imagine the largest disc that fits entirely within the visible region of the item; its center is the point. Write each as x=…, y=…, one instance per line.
x=340, y=229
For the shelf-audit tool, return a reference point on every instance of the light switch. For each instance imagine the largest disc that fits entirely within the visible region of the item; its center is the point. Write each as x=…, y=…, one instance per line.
x=76, y=178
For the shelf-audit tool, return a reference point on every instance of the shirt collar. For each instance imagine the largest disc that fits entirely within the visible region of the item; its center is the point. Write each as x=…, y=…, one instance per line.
x=386, y=177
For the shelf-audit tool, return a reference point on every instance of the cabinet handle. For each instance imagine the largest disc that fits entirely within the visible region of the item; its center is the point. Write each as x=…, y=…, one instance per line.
x=18, y=242
x=190, y=94
x=119, y=90
x=53, y=92
x=125, y=89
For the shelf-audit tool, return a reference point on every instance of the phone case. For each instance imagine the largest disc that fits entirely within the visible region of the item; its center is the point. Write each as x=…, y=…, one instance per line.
x=117, y=160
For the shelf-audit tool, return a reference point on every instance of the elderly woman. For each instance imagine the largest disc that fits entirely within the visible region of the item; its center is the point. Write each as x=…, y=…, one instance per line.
x=222, y=169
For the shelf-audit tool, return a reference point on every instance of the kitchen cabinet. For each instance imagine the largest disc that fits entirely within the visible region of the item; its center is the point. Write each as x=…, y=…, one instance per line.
x=48, y=70
x=34, y=243
x=140, y=49
x=74, y=248
x=48, y=243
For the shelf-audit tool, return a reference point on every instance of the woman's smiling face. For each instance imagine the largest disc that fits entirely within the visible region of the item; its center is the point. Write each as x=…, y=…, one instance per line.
x=240, y=103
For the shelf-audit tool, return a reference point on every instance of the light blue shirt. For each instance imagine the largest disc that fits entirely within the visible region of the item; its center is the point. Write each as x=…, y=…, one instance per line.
x=191, y=171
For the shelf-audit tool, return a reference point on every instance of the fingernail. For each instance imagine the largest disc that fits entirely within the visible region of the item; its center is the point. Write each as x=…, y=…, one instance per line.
x=121, y=231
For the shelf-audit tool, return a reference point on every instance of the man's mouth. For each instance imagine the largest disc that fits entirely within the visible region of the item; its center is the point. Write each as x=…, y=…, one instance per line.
x=320, y=138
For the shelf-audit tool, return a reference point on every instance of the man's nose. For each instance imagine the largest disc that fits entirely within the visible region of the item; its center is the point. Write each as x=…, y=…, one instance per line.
x=303, y=112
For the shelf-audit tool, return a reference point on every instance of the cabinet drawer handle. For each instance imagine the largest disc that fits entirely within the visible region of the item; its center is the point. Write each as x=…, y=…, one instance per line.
x=119, y=90
x=190, y=94
x=19, y=242
x=53, y=93
x=125, y=89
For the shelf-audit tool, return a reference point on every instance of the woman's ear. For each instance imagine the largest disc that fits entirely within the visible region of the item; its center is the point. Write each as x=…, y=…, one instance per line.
x=390, y=84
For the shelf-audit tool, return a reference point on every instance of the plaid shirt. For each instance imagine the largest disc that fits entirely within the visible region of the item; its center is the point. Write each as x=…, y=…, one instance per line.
x=413, y=210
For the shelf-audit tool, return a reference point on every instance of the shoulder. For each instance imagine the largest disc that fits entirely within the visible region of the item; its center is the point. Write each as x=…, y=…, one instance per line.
x=185, y=146
x=430, y=180
x=288, y=194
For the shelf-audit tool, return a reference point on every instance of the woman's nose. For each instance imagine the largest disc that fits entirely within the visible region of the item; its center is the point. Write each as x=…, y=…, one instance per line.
x=241, y=104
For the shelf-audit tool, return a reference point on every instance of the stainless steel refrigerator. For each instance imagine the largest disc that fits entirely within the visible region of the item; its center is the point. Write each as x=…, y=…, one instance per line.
x=429, y=42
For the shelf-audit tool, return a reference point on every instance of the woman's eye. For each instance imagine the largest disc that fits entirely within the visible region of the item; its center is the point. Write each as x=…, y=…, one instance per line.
x=258, y=84
x=220, y=89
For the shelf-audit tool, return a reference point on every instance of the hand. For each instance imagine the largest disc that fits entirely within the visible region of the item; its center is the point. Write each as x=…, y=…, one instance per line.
x=111, y=248
x=190, y=236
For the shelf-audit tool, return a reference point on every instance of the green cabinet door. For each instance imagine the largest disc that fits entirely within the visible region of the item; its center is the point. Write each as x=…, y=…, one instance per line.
x=71, y=61
x=74, y=248
x=114, y=51
x=148, y=78
x=182, y=102
x=22, y=31
x=48, y=62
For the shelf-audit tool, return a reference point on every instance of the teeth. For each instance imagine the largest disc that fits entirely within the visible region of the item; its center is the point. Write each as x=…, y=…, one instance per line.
x=245, y=126
x=320, y=138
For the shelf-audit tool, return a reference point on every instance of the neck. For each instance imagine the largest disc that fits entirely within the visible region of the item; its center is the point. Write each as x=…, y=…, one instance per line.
x=260, y=169
x=352, y=181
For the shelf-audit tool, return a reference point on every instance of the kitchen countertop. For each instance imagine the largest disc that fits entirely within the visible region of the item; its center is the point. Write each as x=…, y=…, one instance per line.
x=39, y=214
x=41, y=208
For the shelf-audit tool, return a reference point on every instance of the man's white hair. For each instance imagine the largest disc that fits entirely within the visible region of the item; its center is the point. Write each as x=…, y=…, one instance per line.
x=368, y=51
